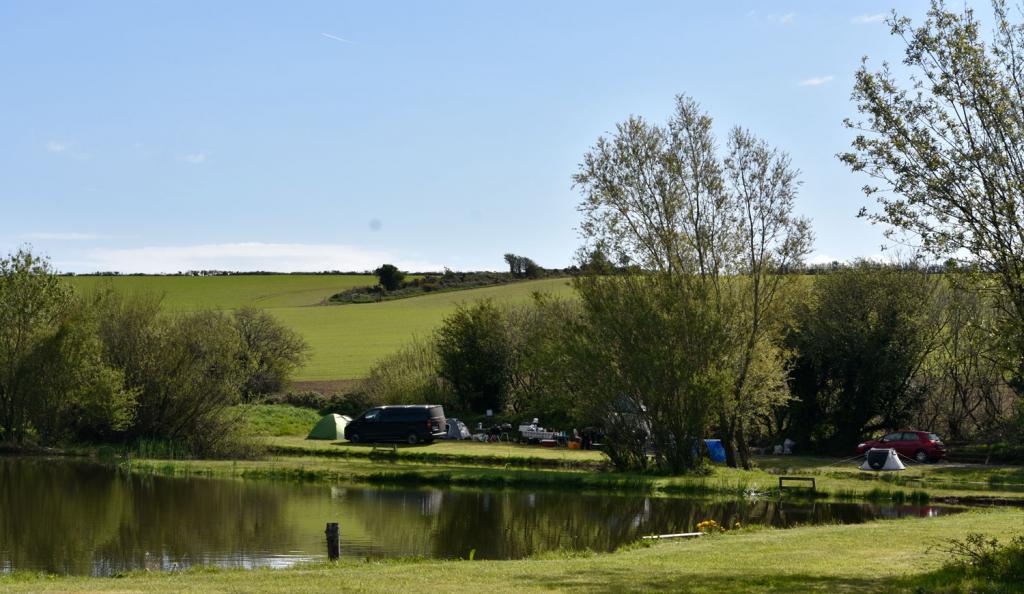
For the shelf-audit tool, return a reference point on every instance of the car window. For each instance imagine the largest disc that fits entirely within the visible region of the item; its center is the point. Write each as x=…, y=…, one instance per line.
x=911, y=437
x=933, y=437
x=892, y=437
x=373, y=415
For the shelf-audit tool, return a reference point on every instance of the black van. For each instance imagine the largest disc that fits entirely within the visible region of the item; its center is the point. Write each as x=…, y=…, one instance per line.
x=412, y=423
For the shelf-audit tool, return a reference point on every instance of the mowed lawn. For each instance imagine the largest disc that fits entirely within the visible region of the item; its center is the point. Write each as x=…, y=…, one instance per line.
x=344, y=340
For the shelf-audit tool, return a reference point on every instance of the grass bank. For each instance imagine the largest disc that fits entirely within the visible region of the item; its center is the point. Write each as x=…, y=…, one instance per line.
x=833, y=559
x=445, y=452
x=925, y=483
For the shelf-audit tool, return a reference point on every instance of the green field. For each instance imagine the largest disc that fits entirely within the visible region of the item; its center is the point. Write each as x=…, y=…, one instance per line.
x=345, y=340
x=187, y=293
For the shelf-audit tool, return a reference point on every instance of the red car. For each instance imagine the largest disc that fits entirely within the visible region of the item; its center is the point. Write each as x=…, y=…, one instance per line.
x=919, y=445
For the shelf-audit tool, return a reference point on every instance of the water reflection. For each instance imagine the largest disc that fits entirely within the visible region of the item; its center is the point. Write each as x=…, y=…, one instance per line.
x=67, y=517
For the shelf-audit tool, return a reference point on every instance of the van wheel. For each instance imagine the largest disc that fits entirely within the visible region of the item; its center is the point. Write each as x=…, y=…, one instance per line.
x=413, y=439
x=354, y=438
x=921, y=456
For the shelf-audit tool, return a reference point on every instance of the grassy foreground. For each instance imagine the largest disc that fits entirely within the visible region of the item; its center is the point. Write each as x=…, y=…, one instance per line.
x=344, y=340
x=842, y=558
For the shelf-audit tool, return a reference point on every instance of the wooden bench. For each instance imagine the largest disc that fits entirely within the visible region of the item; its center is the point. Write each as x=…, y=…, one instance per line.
x=385, y=446
x=802, y=479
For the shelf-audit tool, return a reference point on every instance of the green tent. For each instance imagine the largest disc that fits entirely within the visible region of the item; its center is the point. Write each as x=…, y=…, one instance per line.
x=329, y=427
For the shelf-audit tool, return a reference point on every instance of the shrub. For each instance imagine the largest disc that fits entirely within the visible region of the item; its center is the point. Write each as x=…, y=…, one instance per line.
x=984, y=558
x=350, y=404
x=302, y=399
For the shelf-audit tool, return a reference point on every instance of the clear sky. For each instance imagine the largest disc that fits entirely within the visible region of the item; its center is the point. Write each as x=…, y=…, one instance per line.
x=304, y=135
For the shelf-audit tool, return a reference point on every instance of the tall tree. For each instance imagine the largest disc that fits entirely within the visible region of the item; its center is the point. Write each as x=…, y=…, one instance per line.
x=33, y=301
x=763, y=184
x=473, y=356
x=664, y=199
x=944, y=142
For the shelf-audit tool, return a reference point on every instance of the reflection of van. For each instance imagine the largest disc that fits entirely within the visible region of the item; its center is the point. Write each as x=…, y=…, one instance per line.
x=412, y=423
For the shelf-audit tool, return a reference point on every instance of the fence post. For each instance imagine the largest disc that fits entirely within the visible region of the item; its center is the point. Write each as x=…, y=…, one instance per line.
x=333, y=541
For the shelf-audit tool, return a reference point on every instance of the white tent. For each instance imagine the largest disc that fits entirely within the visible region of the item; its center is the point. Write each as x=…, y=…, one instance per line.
x=457, y=430
x=882, y=459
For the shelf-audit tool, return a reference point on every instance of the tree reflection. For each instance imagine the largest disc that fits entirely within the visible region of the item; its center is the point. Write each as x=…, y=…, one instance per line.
x=66, y=517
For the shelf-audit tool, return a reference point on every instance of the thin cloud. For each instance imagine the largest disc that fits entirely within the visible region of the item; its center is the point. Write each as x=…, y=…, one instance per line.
x=272, y=257
x=867, y=19
x=56, y=146
x=782, y=19
x=817, y=81
x=196, y=158
x=336, y=38
x=820, y=259
x=62, y=236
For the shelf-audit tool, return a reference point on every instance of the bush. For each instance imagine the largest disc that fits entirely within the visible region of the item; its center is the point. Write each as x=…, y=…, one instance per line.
x=984, y=559
x=303, y=399
x=409, y=376
x=351, y=404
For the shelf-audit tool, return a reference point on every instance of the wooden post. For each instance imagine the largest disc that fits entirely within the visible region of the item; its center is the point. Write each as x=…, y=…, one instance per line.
x=333, y=541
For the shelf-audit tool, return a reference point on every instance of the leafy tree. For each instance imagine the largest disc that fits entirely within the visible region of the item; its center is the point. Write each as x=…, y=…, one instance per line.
x=531, y=269
x=54, y=382
x=75, y=393
x=645, y=359
x=523, y=266
x=663, y=198
x=539, y=385
x=33, y=302
x=861, y=345
x=514, y=264
x=187, y=370
x=390, y=277
x=594, y=261
x=944, y=142
x=474, y=356
x=970, y=396
x=271, y=351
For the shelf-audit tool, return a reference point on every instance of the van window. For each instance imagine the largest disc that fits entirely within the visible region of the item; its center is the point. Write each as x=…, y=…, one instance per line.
x=892, y=437
x=911, y=437
x=372, y=415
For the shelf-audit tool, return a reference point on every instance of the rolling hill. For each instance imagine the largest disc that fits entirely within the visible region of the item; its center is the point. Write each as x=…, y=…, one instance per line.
x=345, y=340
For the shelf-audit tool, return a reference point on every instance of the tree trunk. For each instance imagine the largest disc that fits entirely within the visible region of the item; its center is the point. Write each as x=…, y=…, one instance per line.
x=743, y=450
x=726, y=435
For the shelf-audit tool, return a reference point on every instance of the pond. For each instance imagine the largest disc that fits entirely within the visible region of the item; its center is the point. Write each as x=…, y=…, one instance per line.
x=73, y=517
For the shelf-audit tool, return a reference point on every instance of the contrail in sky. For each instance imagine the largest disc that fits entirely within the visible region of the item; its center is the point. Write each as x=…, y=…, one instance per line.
x=336, y=38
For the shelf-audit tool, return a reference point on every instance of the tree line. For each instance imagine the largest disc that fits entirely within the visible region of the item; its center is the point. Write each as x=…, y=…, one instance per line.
x=687, y=325
x=114, y=367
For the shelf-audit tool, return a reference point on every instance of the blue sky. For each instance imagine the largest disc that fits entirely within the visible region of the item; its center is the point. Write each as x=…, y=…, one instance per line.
x=163, y=136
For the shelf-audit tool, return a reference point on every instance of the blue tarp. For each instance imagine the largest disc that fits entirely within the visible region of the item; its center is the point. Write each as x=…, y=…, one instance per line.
x=716, y=451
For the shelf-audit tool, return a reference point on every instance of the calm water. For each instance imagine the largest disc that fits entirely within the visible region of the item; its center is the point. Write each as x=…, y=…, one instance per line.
x=72, y=517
